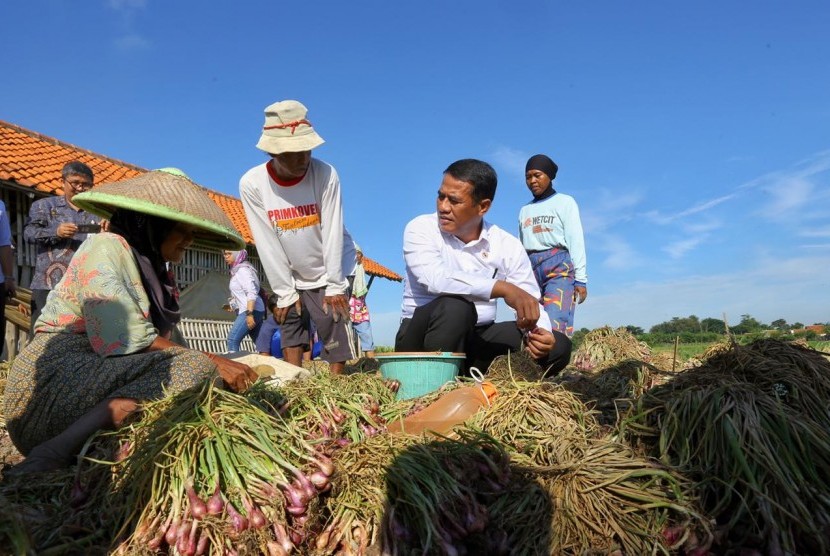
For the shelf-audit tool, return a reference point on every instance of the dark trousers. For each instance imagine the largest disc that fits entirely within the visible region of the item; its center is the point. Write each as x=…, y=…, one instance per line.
x=36, y=305
x=2, y=334
x=448, y=323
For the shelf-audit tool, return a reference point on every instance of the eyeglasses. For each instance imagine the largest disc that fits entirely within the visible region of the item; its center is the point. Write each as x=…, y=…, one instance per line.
x=76, y=184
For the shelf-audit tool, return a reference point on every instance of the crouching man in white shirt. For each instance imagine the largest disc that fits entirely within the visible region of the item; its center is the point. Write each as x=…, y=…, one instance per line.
x=458, y=266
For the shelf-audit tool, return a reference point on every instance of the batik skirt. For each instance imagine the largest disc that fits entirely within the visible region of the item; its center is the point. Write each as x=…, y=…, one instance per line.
x=57, y=378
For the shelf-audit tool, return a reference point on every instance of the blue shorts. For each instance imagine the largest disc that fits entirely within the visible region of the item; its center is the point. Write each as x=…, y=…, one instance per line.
x=364, y=332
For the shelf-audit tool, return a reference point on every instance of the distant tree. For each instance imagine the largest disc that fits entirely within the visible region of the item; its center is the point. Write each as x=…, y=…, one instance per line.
x=747, y=325
x=712, y=325
x=780, y=324
x=797, y=326
x=635, y=330
x=807, y=335
x=578, y=336
x=677, y=325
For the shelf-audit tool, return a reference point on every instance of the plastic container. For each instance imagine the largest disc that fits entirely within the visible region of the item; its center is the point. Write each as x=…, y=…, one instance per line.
x=420, y=372
x=448, y=411
x=276, y=345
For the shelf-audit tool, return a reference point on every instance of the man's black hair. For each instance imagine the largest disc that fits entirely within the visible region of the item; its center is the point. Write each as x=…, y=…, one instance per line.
x=272, y=301
x=76, y=168
x=479, y=174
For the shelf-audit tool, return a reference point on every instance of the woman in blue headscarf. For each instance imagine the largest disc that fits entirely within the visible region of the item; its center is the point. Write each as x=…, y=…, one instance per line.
x=245, y=299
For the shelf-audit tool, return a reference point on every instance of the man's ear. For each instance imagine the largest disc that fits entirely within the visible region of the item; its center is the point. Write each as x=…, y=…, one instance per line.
x=484, y=206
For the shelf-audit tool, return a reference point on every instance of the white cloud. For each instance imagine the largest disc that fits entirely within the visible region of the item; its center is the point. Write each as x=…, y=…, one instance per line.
x=510, y=161
x=658, y=218
x=132, y=42
x=127, y=11
x=804, y=170
x=702, y=226
x=785, y=198
x=816, y=232
x=619, y=254
x=677, y=249
x=607, y=209
x=127, y=4
x=802, y=293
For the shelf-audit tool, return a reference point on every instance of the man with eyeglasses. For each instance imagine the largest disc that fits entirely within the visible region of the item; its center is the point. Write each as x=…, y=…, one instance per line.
x=57, y=228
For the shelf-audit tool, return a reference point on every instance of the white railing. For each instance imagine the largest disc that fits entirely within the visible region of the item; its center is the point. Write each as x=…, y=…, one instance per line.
x=210, y=335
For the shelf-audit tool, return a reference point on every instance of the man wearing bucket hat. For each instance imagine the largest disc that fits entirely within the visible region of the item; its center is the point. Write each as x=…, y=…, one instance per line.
x=102, y=343
x=458, y=265
x=295, y=211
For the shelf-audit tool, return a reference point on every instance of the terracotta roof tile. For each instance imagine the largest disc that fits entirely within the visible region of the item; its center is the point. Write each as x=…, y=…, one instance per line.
x=376, y=269
x=32, y=160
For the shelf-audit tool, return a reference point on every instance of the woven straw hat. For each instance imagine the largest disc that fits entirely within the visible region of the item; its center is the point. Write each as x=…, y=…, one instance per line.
x=169, y=195
x=287, y=130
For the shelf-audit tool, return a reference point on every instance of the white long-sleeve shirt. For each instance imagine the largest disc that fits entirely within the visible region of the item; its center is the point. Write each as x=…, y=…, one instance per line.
x=554, y=222
x=244, y=287
x=439, y=263
x=298, y=229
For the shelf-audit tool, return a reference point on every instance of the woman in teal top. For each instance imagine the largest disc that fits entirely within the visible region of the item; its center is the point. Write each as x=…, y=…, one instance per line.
x=551, y=233
x=102, y=343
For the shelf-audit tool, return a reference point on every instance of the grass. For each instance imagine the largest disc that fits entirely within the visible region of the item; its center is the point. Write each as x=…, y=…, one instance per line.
x=684, y=351
x=687, y=351
x=820, y=346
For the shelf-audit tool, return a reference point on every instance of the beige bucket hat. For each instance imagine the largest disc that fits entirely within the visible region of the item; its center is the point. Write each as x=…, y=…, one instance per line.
x=167, y=193
x=287, y=130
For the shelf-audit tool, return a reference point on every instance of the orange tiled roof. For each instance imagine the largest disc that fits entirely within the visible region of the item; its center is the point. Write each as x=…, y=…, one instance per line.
x=33, y=160
x=374, y=268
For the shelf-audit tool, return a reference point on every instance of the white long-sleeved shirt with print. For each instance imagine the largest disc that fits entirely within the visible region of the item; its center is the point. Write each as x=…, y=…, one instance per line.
x=554, y=222
x=439, y=263
x=298, y=229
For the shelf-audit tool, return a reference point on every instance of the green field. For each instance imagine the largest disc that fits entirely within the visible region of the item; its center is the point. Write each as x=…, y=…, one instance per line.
x=684, y=351
x=687, y=351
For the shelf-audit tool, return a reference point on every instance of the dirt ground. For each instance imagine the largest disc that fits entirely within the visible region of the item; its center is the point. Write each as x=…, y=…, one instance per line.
x=8, y=453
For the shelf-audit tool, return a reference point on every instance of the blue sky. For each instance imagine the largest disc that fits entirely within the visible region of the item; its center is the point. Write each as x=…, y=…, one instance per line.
x=695, y=136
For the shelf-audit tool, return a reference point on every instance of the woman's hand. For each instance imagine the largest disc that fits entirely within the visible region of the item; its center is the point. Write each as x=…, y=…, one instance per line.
x=237, y=376
x=250, y=322
x=580, y=293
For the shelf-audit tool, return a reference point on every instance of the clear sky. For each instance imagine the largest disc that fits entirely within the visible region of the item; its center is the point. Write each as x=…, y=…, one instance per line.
x=695, y=136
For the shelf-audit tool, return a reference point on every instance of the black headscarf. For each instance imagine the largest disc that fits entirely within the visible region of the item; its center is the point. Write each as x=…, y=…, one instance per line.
x=542, y=163
x=145, y=234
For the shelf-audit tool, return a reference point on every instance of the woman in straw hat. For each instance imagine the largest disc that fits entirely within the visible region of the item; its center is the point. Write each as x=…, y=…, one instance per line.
x=102, y=344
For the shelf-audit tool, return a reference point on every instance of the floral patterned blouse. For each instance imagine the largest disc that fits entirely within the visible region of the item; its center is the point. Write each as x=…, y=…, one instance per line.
x=101, y=296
